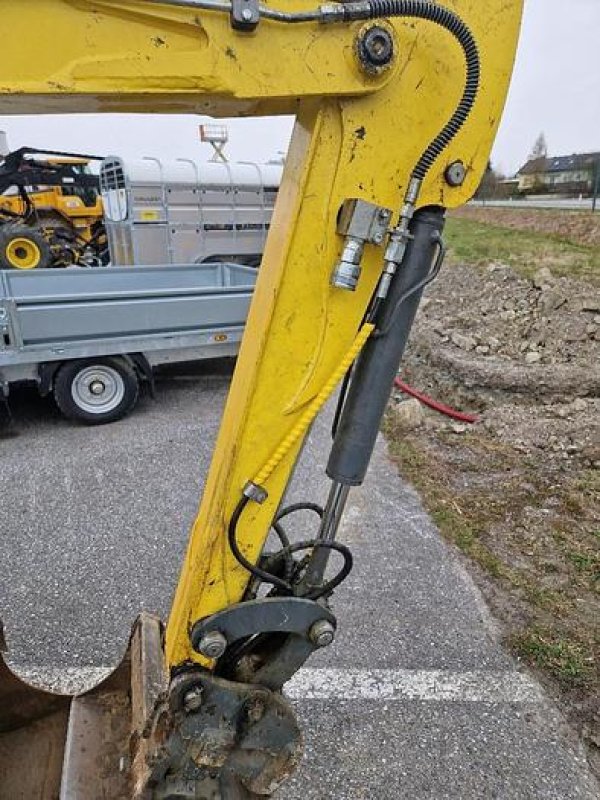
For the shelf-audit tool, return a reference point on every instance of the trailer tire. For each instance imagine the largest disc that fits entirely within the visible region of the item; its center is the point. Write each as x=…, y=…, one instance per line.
x=96, y=390
x=22, y=247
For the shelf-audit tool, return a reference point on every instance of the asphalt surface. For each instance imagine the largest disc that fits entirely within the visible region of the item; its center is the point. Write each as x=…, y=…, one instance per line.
x=95, y=523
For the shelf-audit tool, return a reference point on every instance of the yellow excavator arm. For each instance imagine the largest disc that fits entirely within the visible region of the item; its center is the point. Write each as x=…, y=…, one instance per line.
x=397, y=103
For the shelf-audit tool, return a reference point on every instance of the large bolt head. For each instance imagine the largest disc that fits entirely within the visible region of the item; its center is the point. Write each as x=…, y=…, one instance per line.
x=455, y=174
x=375, y=47
x=192, y=700
x=213, y=644
x=322, y=633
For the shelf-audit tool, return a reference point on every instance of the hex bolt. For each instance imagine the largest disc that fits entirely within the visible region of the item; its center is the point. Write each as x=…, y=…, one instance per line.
x=255, y=709
x=213, y=644
x=322, y=633
x=375, y=48
x=455, y=174
x=192, y=699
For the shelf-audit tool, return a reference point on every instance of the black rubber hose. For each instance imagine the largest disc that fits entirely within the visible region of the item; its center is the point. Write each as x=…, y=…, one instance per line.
x=425, y=9
x=264, y=576
x=288, y=550
x=291, y=509
x=311, y=544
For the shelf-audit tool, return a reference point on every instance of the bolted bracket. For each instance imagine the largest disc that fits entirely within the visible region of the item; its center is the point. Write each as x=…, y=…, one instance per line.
x=360, y=223
x=267, y=615
x=268, y=639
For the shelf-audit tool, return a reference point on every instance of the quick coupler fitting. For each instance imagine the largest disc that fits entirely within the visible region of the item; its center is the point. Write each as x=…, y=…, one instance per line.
x=347, y=271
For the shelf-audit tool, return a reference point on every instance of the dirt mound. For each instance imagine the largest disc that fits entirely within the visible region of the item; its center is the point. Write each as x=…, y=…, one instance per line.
x=498, y=330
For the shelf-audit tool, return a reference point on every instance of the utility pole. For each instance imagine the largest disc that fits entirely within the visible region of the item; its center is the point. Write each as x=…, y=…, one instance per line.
x=596, y=183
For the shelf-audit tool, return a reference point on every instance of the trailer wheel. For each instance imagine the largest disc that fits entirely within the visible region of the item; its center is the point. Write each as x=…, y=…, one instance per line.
x=96, y=390
x=22, y=247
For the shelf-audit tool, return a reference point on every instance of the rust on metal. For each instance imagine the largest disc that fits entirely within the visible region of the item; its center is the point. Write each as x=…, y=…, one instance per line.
x=75, y=747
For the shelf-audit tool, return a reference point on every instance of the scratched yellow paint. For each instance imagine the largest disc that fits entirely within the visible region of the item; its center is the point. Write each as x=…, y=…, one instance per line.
x=355, y=136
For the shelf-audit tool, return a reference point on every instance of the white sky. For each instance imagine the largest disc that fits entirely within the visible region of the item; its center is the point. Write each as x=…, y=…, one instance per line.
x=556, y=89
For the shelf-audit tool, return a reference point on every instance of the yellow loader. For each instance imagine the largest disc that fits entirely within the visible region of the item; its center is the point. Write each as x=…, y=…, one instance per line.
x=51, y=212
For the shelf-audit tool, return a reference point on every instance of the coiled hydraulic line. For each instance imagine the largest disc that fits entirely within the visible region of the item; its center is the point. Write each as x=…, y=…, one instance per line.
x=285, y=585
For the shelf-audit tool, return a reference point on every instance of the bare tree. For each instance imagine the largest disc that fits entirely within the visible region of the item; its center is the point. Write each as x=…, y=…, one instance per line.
x=491, y=185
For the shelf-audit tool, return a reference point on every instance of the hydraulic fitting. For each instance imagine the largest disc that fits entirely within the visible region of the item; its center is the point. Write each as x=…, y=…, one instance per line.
x=399, y=238
x=255, y=492
x=361, y=223
x=347, y=271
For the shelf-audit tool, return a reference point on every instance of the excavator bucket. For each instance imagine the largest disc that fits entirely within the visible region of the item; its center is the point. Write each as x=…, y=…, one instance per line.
x=61, y=747
x=139, y=736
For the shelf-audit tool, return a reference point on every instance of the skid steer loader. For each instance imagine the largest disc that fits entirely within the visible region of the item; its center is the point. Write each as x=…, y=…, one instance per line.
x=51, y=213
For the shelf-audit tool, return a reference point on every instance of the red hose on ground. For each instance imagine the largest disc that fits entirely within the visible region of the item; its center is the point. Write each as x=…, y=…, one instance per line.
x=437, y=406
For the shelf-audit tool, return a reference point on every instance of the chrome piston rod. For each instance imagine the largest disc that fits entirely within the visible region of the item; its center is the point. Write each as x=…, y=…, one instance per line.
x=332, y=516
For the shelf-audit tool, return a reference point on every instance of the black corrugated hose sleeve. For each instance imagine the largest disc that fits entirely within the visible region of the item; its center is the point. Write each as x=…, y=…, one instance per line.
x=424, y=9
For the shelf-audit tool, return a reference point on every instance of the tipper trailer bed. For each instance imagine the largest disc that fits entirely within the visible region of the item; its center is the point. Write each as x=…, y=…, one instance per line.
x=89, y=336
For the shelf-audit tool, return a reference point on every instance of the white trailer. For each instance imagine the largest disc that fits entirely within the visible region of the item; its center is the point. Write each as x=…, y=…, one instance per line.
x=187, y=212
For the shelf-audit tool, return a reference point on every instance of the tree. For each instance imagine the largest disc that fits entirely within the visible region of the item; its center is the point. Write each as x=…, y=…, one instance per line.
x=540, y=148
x=491, y=184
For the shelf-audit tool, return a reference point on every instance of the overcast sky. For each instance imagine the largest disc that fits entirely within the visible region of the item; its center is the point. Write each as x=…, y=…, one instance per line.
x=556, y=89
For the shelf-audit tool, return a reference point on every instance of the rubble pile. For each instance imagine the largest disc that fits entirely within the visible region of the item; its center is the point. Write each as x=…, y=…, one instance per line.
x=524, y=353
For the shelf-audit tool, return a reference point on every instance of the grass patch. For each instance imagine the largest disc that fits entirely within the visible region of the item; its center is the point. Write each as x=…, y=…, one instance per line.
x=585, y=562
x=479, y=244
x=458, y=525
x=569, y=661
x=550, y=571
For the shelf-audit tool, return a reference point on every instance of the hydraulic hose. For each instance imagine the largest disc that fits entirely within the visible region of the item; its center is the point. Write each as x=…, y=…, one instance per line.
x=382, y=9
x=442, y=408
x=444, y=17
x=287, y=551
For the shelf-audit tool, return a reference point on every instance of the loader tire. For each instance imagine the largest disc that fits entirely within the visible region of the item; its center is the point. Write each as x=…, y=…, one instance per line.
x=22, y=247
x=96, y=390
